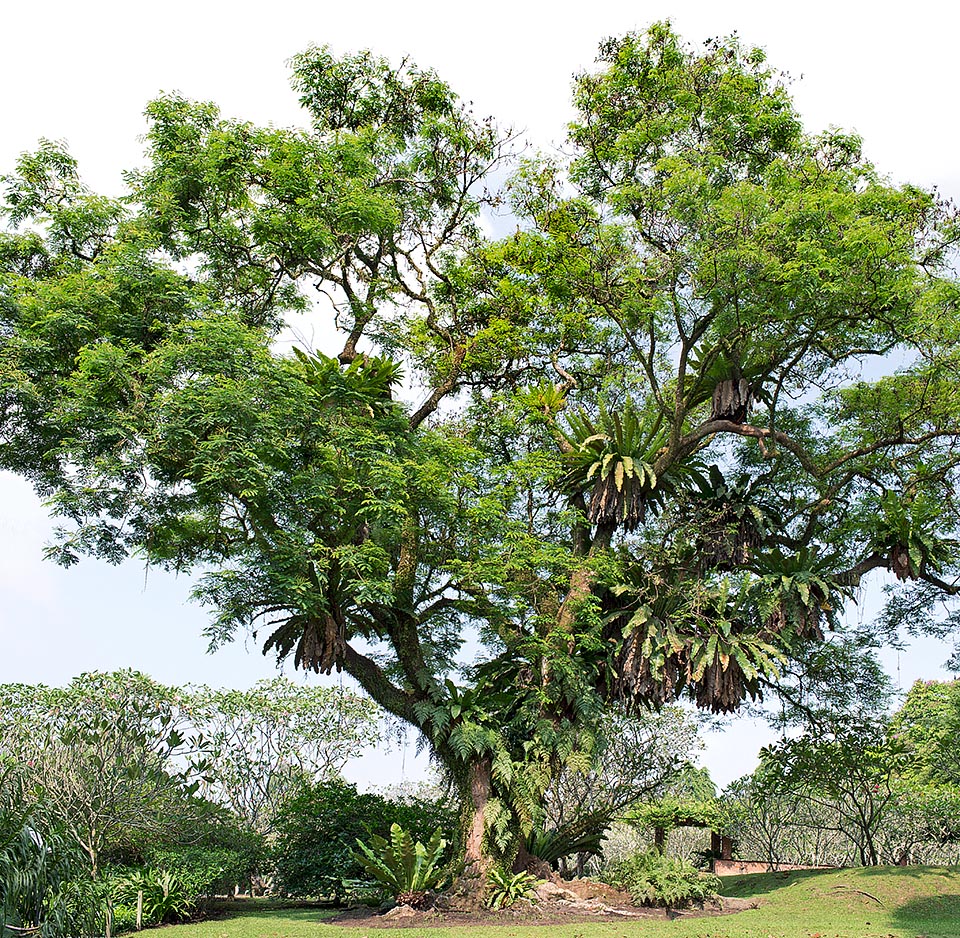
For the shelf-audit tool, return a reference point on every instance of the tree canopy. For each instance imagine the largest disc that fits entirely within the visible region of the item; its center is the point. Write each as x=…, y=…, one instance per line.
x=645, y=445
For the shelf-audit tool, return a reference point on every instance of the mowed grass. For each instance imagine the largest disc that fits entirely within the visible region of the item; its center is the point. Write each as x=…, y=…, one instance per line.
x=905, y=902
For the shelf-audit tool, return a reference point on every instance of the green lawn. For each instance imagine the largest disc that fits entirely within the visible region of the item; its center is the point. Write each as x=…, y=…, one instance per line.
x=878, y=903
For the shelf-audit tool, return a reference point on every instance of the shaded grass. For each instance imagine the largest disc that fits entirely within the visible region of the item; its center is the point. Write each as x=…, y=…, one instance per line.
x=888, y=902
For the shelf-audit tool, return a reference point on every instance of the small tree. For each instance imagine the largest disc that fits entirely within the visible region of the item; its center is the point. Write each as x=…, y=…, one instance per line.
x=105, y=755
x=264, y=743
x=852, y=775
x=635, y=758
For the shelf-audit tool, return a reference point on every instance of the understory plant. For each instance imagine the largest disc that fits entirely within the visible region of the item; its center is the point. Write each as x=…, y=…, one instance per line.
x=166, y=897
x=503, y=888
x=653, y=879
x=43, y=889
x=408, y=868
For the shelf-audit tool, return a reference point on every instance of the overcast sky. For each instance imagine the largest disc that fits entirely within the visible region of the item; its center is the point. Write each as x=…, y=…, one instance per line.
x=83, y=71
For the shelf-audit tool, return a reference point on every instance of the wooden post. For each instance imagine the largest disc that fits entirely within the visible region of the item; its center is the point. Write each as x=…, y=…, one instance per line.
x=109, y=927
x=139, y=909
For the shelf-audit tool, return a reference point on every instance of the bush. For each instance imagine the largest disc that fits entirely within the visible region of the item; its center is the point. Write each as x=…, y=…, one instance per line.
x=206, y=871
x=318, y=830
x=166, y=897
x=654, y=879
x=125, y=919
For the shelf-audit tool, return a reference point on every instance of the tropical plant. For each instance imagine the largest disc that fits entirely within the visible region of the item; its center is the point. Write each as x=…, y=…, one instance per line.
x=654, y=879
x=39, y=864
x=166, y=897
x=406, y=867
x=730, y=523
x=906, y=533
x=504, y=889
x=317, y=829
x=613, y=460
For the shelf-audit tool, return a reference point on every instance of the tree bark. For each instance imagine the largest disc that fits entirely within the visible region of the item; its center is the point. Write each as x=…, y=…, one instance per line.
x=469, y=886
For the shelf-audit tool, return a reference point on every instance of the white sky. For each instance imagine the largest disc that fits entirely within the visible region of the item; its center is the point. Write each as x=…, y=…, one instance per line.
x=83, y=71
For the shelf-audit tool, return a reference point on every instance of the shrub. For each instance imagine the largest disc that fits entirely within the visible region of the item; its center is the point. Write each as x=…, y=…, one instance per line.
x=406, y=867
x=166, y=897
x=206, y=871
x=125, y=919
x=503, y=889
x=654, y=879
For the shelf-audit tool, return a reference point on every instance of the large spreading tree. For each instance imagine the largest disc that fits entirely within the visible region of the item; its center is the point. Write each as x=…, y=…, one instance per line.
x=646, y=445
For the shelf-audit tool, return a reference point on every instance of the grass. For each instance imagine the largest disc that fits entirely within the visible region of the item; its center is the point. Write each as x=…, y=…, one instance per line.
x=886, y=902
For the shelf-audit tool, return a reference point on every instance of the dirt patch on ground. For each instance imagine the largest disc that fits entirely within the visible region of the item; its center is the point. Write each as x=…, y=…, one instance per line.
x=570, y=903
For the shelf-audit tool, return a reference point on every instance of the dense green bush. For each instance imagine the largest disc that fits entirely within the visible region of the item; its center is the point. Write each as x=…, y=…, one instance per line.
x=125, y=919
x=654, y=879
x=207, y=871
x=319, y=828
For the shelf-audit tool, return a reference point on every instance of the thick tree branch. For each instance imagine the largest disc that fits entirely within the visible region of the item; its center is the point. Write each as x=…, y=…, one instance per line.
x=373, y=680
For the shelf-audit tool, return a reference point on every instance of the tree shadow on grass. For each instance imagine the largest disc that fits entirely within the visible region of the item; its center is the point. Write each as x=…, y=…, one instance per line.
x=758, y=884
x=930, y=916
x=915, y=872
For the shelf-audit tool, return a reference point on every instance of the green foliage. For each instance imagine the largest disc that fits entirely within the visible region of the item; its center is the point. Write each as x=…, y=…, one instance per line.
x=668, y=469
x=204, y=872
x=167, y=897
x=317, y=831
x=124, y=919
x=669, y=813
x=614, y=461
x=584, y=835
x=928, y=724
x=406, y=867
x=853, y=771
x=39, y=864
x=110, y=755
x=261, y=744
x=654, y=879
x=504, y=889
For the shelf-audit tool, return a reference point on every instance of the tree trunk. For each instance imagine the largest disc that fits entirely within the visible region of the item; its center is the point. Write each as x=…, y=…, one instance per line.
x=469, y=886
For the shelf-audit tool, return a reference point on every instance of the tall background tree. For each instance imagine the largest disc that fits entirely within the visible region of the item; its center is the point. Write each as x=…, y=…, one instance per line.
x=647, y=445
